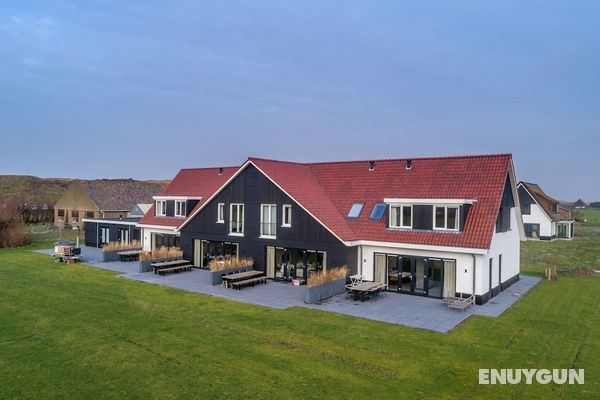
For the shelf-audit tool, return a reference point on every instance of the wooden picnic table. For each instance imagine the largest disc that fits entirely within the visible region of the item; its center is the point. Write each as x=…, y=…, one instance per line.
x=240, y=276
x=168, y=264
x=130, y=255
x=365, y=289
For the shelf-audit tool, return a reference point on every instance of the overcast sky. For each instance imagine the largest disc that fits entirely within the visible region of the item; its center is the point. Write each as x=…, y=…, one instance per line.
x=141, y=89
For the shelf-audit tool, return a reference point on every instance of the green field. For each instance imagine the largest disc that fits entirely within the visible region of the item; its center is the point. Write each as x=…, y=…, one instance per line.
x=78, y=332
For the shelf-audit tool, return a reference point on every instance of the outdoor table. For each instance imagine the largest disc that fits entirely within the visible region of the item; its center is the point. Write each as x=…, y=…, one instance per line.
x=130, y=255
x=364, y=289
x=240, y=276
x=168, y=264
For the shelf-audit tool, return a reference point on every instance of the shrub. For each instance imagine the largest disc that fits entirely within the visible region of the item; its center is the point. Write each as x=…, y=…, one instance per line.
x=12, y=231
x=231, y=263
x=161, y=253
x=118, y=246
x=331, y=275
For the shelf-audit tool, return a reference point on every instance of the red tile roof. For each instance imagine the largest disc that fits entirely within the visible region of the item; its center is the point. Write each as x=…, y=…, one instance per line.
x=327, y=191
x=191, y=182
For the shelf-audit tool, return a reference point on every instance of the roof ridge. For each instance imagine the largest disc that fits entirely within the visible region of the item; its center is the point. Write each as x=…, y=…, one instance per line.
x=207, y=168
x=468, y=156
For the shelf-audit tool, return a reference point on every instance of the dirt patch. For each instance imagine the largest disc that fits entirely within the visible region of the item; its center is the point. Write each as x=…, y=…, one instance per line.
x=585, y=272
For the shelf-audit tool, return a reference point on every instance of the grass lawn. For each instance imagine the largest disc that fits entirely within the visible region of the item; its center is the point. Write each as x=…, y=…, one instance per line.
x=79, y=332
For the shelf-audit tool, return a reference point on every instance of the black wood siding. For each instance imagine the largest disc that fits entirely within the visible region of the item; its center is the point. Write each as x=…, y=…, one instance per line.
x=508, y=202
x=252, y=189
x=92, y=232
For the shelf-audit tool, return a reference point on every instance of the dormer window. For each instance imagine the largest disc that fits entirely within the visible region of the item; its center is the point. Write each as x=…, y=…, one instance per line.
x=355, y=210
x=445, y=218
x=180, y=208
x=161, y=208
x=401, y=216
x=555, y=208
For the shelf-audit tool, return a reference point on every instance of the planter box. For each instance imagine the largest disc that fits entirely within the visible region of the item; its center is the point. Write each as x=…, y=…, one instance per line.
x=110, y=256
x=215, y=276
x=317, y=293
x=144, y=266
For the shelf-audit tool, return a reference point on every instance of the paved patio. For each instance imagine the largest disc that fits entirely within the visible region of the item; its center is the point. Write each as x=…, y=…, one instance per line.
x=401, y=309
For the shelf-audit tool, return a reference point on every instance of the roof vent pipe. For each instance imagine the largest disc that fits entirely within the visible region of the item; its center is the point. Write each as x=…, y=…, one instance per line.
x=409, y=164
x=220, y=171
x=371, y=165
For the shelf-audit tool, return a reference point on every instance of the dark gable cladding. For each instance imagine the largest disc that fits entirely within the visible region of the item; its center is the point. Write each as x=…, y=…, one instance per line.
x=252, y=189
x=508, y=202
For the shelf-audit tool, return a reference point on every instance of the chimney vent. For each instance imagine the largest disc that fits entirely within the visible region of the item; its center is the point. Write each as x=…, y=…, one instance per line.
x=220, y=171
x=371, y=165
x=409, y=164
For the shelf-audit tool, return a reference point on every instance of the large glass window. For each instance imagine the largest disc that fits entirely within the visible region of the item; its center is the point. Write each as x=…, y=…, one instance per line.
x=287, y=215
x=213, y=250
x=163, y=240
x=287, y=264
x=401, y=217
x=268, y=220
x=161, y=208
x=446, y=218
x=236, y=224
x=221, y=213
x=180, y=208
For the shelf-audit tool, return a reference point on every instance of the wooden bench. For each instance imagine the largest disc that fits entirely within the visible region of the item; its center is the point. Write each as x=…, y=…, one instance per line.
x=178, y=268
x=248, y=282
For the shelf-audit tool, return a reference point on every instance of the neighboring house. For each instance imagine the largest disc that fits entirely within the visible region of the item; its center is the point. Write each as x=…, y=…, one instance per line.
x=543, y=217
x=190, y=189
x=434, y=227
x=139, y=210
x=103, y=198
x=100, y=231
x=580, y=204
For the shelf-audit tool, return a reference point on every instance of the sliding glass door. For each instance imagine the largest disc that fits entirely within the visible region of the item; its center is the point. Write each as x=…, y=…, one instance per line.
x=416, y=275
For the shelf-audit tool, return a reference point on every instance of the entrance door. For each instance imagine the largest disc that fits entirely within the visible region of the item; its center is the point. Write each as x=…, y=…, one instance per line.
x=392, y=272
x=407, y=275
x=435, y=277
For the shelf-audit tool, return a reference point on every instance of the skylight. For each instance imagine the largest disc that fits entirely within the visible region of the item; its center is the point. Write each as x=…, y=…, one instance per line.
x=355, y=210
x=378, y=211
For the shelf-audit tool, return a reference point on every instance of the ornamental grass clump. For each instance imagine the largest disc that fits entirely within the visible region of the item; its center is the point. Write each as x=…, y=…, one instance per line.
x=232, y=263
x=161, y=254
x=331, y=275
x=118, y=246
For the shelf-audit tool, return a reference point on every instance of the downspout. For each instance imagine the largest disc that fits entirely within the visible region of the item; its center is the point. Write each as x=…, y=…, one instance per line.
x=474, y=264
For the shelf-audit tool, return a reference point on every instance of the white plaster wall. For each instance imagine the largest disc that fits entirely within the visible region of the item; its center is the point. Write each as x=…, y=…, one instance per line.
x=464, y=264
x=538, y=216
x=509, y=245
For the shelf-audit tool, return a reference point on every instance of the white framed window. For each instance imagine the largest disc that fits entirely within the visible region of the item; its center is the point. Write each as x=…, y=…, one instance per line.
x=445, y=218
x=220, y=213
x=268, y=220
x=286, y=212
x=180, y=208
x=236, y=222
x=401, y=216
x=104, y=235
x=161, y=208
